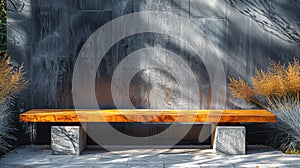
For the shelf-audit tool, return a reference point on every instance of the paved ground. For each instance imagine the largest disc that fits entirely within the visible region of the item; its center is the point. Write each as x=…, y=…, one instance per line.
x=94, y=157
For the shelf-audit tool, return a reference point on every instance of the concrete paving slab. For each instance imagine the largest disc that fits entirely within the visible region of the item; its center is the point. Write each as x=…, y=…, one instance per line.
x=110, y=165
x=40, y=157
x=148, y=165
x=216, y=166
x=49, y=166
x=115, y=159
x=77, y=166
x=90, y=158
x=183, y=166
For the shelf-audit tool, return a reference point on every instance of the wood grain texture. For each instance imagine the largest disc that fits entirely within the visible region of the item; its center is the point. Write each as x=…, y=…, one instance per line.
x=147, y=115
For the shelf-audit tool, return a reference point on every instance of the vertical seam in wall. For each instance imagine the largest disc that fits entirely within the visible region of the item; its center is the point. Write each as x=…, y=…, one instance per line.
x=226, y=49
x=226, y=35
x=132, y=6
x=69, y=19
x=249, y=44
x=29, y=96
x=33, y=39
x=269, y=30
x=189, y=9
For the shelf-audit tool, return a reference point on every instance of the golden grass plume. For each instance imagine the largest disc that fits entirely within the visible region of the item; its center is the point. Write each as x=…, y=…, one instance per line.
x=279, y=82
x=12, y=80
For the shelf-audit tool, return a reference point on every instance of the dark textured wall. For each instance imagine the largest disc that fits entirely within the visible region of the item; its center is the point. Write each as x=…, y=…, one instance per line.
x=47, y=35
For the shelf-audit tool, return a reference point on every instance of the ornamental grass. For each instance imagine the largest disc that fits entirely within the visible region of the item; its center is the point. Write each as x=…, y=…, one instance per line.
x=278, y=90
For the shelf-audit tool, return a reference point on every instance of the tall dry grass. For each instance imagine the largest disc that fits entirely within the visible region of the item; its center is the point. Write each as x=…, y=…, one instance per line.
x=277, y=90
x=279, y=82
x=12, y=82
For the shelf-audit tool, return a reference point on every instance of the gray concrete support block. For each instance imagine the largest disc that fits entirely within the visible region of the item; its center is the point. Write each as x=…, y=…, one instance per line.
x=230, y=140
x=67, y=140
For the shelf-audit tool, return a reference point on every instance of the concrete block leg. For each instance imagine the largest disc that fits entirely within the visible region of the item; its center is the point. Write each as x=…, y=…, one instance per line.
x=67, y=140
x=230, y=140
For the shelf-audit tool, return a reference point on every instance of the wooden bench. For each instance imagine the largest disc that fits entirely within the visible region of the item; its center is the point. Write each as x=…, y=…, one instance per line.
x=215, y=117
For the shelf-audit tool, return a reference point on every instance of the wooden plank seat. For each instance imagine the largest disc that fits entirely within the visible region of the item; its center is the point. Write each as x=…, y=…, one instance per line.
x=215, y=117
x=147, y=115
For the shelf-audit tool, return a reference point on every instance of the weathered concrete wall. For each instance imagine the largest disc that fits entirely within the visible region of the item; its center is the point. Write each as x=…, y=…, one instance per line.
x=47, y=35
